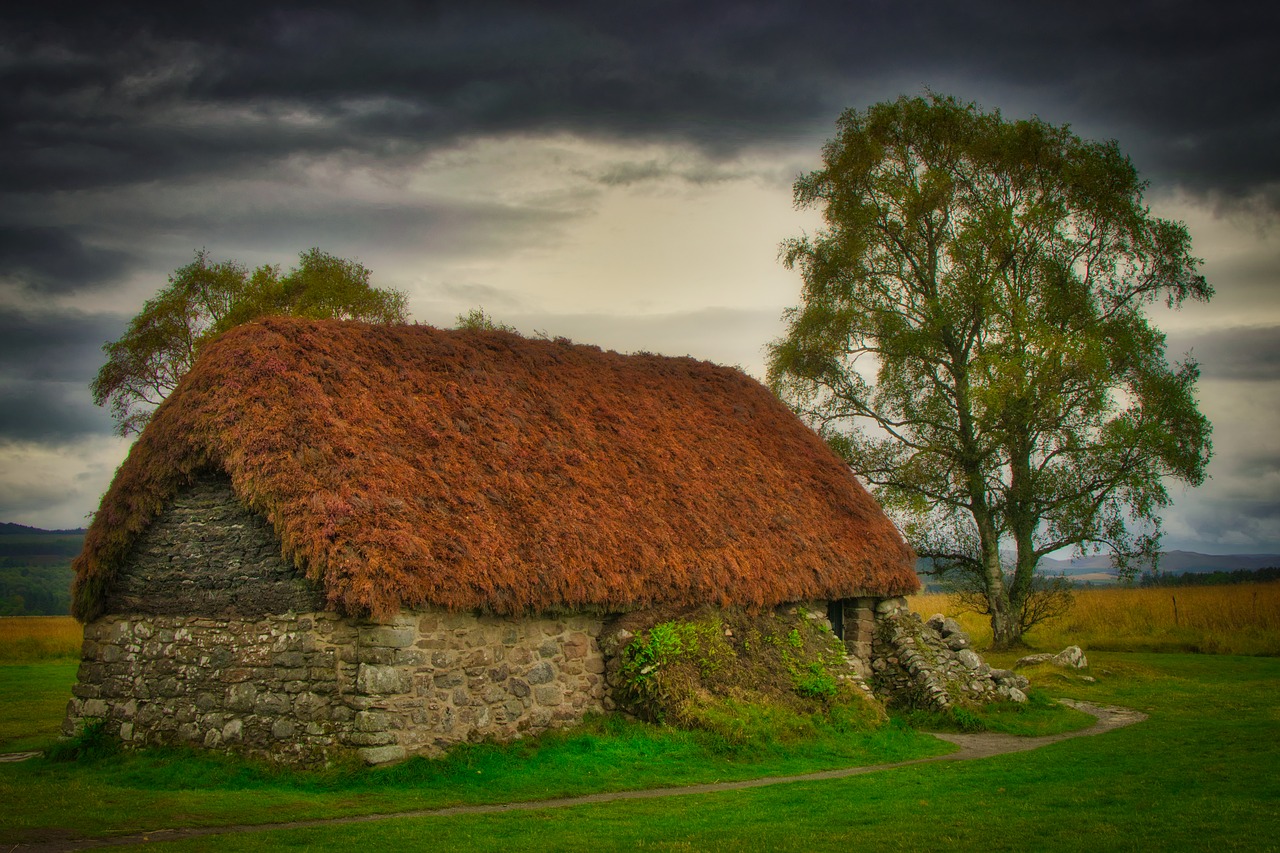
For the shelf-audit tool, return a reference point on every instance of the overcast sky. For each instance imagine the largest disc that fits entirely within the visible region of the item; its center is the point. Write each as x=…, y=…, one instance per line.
x=619, y=173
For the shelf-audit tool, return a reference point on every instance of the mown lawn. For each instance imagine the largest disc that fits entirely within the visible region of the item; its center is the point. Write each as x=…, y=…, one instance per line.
x=1198, y=775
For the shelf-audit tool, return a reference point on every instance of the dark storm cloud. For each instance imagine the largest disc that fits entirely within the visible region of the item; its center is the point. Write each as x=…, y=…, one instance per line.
x=46, y=363
x=438, y=229
x=1245, y=353
x=55, y=346
x=49, y=412
x=54, y=260
x=127, y=94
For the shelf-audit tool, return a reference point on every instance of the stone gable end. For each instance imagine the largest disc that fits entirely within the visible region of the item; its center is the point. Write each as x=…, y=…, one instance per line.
x=213, y=640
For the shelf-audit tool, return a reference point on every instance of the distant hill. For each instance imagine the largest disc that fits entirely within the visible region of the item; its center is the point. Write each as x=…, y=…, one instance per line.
x=1171, y=562
x=1099, y=568
x=8, y=528
x=35, y=569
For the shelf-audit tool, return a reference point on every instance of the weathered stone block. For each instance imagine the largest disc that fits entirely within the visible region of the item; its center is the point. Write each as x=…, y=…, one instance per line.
x=390, y=636
x=271, y=704
x=446, y=680
x=541, y=673
x=382, y=754
x=242, y=696
x=548, y=694
x=377, y=679
x=373, y=721
x=577, y=647
x=411, y=657
x=370, y=738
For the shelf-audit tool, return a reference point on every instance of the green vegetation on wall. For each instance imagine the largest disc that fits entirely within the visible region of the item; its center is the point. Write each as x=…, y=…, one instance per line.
x=745, y=678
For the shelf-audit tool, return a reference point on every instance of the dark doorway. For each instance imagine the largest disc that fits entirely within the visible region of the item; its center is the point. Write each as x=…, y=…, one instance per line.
x=835, y=615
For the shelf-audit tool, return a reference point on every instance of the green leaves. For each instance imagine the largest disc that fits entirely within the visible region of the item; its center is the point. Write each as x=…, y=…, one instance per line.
x=204, y=299
x=971, y=336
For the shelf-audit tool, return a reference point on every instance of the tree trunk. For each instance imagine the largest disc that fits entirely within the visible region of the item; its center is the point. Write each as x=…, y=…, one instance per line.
x=1006, y=633
x=1005, y=628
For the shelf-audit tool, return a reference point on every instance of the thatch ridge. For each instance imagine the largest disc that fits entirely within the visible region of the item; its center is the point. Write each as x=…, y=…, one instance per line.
x=407, y=465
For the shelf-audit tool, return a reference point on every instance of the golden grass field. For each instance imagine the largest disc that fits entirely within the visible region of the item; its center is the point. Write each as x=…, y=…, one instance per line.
x=27, y=638
x=1242, y=619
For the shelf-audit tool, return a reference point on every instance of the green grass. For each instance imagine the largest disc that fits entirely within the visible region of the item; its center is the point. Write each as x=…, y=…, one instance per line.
x=1041, y=715
x=33, y=699
x=1198, y=775
x=131, y=792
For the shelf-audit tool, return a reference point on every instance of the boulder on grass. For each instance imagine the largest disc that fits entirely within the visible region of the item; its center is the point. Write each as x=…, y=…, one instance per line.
x=1072, y=657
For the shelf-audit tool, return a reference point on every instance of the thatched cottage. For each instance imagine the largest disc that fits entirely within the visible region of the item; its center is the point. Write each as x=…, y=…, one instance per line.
x=336, y=537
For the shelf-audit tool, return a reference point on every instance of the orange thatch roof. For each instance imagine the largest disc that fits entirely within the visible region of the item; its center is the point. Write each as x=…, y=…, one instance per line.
x=405, y=465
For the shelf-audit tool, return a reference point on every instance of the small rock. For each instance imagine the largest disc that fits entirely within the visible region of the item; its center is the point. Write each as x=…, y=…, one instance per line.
x=1071, y=657
x=891, y=605
x=1032, y=660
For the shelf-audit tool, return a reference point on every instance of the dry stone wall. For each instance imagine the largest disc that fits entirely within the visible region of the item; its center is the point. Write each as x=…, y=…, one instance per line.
x=310, y=687
x=930, y=665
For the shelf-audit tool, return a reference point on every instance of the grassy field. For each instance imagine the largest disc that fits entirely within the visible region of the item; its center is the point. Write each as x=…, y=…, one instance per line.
x=1240, y=619
x=1198, y=775
x=25, y=639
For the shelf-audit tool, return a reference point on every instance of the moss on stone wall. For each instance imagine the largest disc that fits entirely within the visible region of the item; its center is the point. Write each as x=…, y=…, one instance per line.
x=773, y=676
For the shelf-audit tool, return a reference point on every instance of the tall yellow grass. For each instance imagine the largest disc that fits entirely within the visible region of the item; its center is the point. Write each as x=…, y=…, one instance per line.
x=1239, y=619
x=29, y=638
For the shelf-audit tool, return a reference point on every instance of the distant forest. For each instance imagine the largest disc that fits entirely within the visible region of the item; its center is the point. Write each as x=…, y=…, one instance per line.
x=35, y=570
x=1219, y=578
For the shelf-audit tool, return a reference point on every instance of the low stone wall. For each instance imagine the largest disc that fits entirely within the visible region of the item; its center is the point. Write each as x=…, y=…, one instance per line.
x=930, y=665
x=309, y=687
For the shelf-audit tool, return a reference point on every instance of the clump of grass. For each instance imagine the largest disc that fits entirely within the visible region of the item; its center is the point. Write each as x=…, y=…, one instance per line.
x=746, y=681
x=26, y=639
x=96, y=740
x=1235, y=619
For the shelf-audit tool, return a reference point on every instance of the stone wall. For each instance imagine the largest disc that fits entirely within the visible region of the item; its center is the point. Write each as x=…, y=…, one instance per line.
x=858, y=628
x=207, y=554
x=930, y=665
x=314, y=686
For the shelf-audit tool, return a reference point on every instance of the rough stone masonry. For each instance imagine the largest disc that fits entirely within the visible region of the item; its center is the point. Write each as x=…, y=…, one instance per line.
x=307, y=687
x=217, y=641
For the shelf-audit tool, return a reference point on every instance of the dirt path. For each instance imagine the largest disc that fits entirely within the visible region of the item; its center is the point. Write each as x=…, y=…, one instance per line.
x=971, y=746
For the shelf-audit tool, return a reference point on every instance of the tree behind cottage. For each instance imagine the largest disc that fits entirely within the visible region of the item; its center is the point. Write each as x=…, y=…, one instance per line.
x=992, y=276
x=205, y=298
